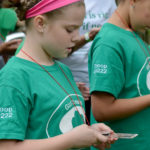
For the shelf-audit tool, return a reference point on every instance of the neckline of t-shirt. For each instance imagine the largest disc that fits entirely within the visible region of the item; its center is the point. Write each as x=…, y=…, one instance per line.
x=35, y=65
x=121, y=29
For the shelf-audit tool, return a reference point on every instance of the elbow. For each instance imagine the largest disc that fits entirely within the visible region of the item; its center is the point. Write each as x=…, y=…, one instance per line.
x=99, y=116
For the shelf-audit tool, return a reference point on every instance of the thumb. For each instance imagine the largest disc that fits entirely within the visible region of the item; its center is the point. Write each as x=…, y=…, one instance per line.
x=101, y=138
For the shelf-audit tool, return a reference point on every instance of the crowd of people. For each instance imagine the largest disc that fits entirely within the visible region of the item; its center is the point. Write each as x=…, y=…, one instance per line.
x=79, y=77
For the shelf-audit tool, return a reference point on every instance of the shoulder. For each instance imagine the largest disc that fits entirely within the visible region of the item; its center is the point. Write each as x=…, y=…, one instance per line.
x=8, y=12
x=111, y=39
x=8, y=19
x=109, y=34
x=12, y=72
x=64, y=67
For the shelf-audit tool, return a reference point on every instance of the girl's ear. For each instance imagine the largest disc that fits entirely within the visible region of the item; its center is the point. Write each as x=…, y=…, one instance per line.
x=39, y=23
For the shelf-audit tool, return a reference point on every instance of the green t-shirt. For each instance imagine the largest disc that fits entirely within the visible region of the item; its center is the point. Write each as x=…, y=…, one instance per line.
x=8, y=20
x=118, y=65
x=32, y=105
x=20, y=47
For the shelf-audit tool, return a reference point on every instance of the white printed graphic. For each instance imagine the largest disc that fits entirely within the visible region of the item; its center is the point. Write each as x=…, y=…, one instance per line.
x=148, y=80
x=143, y=80
x=65, y=123
x=5, y=113
x=100, y=69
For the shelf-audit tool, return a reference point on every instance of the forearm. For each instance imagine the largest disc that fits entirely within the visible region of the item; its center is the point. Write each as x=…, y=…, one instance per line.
x=62, y=142
x=8, y=48
x=81, y=42
x=120, y=108
x=1, y=49
x=86, y=38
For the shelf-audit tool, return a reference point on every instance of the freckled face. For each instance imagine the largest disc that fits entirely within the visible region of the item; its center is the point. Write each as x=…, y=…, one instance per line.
x=61, y=31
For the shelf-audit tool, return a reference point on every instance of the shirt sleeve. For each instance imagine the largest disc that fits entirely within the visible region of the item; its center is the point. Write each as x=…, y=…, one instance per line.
x=9, y=20
x=106, y=70
x=14, y=112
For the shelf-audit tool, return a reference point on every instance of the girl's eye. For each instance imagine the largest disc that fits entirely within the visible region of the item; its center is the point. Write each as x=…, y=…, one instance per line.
x=69, y=30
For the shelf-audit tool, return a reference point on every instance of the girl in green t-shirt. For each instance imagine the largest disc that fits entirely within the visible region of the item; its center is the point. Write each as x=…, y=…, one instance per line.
x=119, y=70
x=40, y=102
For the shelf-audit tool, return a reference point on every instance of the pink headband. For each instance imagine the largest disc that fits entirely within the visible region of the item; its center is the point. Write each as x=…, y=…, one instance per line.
x=45, y=6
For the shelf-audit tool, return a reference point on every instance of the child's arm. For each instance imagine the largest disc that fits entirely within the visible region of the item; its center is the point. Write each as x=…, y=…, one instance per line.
x=79, y=137
x=105, y=107
x=81, y=41
x=9, y=48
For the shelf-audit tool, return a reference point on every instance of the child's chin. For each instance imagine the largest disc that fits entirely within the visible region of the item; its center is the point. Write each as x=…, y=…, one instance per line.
x=62, y=57
x=65, y=56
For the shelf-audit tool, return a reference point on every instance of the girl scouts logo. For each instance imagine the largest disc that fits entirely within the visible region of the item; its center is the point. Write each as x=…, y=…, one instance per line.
x=65, y=117
x=143, y=80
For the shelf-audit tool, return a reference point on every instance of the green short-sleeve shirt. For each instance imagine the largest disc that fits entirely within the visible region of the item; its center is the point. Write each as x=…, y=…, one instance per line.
x=20, y=47
x=118, y=65
x=32, y=105
x=8, y=20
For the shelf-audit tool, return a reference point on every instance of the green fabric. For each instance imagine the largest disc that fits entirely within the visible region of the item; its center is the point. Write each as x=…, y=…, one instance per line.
x=19, y=47
x=118, y=65
x=8, y=21
x=32, y=105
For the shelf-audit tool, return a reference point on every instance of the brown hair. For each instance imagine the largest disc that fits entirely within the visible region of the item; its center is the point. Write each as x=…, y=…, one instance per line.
x=118, y=1
x=23, y=5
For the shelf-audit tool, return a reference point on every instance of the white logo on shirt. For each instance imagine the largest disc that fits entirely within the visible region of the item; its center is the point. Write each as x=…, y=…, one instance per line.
x=143, y=79
x=100, y=68
x=5, y=112
x=66, y=123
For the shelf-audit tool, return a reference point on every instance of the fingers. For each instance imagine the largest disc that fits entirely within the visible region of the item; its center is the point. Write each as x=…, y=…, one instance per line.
x=83, y=87
x=14, y=42
x=10, y=47
x=96, y=29
x=101, y=127
x=102, y=146
x=84, y=90
x=102, y=142
x=101, y=138
x=80, y=84
x=86, y=95
x=93, y=32
x=105, y=128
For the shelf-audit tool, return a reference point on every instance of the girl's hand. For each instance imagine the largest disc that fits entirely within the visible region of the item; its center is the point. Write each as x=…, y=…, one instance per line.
x=86, y=136
x=103, y=129
x=9, y=48
x=93, y=33
x=84, y=90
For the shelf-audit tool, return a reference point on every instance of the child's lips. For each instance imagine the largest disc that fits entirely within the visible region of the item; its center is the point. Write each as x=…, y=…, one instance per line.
x=69, y=49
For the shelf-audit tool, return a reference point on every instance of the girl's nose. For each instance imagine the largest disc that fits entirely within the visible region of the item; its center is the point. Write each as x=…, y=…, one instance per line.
x=75, y=37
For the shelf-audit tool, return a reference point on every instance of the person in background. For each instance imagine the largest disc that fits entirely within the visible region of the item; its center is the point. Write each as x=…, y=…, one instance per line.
x=97, y=13
x=119, y=71
x=9, y=23
x=41, y=107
